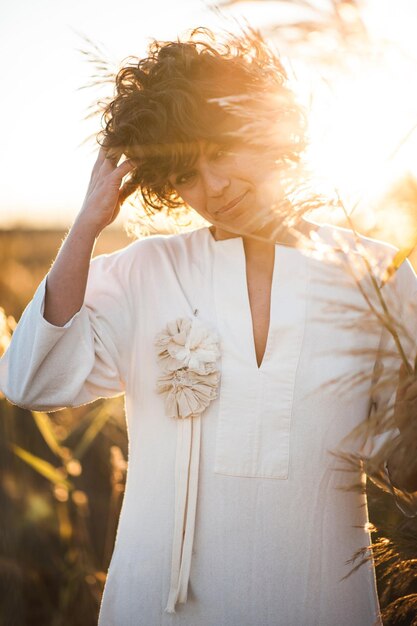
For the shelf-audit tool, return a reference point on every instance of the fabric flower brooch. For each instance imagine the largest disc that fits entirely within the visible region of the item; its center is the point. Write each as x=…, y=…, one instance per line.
x=187, y=352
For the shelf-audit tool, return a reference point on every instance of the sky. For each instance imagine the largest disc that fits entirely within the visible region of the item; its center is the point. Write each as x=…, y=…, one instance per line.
x=44, y=164
x=44, y=168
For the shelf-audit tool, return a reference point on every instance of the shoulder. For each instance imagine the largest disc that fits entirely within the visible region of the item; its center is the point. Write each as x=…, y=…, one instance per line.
x=386, y=259
x=346, y=238
x=154, y=245
x=149, y=250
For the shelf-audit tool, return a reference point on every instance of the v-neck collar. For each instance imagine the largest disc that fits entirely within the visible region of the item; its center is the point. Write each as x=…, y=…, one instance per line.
x=255, y=403
x=232, y=296
x=231, y=285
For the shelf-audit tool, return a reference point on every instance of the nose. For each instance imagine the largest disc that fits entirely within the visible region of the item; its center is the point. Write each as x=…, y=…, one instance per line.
x=215, y=179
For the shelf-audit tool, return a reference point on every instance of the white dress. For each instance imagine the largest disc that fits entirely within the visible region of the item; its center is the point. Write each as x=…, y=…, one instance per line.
x=274, y=528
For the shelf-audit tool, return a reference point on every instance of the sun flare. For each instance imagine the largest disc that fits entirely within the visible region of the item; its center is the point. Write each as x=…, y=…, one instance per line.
x=363, y=120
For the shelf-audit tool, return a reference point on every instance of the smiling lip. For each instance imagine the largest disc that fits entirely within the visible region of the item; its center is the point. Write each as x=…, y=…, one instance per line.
x=231, y=204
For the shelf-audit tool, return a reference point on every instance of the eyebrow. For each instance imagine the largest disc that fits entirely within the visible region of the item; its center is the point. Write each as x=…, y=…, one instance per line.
x=189, y=155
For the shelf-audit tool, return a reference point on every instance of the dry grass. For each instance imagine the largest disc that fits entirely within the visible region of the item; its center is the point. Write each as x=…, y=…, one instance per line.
x=61, y=475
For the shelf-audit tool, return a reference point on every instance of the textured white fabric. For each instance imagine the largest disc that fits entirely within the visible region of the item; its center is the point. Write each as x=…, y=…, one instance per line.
x=186, y=491
x=274, y=525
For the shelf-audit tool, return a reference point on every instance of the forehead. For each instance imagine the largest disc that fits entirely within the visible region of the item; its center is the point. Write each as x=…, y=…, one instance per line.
x=187, y=154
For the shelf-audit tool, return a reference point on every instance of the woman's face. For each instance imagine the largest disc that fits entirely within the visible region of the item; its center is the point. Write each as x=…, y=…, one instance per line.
x=231, y=187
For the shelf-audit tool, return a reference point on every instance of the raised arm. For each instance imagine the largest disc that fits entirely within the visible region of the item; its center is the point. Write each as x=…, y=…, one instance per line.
x=67, y=278
x=71, y=344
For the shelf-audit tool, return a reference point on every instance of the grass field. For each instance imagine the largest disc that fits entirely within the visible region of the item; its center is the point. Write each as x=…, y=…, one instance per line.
x=61, y=474
x=26, y=256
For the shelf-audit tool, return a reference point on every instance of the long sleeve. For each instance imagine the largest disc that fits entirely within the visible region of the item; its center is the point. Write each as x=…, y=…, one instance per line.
x=48, y=367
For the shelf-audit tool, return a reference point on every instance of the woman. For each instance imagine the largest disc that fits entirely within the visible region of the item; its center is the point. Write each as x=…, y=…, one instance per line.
x=233, y=513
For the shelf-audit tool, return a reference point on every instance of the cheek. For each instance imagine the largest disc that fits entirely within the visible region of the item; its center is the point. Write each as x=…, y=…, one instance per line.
x=270, y=189
x=254, y=168
x=193, y=198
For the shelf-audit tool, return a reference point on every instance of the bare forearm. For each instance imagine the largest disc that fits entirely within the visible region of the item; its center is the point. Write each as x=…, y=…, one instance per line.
x=67, y=279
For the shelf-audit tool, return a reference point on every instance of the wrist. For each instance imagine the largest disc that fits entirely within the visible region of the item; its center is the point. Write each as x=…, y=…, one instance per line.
x=87, y=226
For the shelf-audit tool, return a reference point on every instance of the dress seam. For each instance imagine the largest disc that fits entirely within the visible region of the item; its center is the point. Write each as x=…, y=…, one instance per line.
x=306, y=296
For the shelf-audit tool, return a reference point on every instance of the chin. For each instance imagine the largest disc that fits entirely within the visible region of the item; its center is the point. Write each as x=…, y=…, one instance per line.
x=251, y=222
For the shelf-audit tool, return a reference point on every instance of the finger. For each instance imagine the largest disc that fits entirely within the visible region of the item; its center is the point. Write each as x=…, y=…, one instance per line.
x=111, y=158
x=101, y=159
x=124, y=168
x=101, y=154
x=126, y=190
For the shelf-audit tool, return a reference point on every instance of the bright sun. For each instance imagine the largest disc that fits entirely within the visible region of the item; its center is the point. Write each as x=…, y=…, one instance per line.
x=363, y=124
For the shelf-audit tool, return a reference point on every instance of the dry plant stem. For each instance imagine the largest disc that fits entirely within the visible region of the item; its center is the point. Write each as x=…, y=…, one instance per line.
x=383, y=319
x=388, y=318
x=399, y=475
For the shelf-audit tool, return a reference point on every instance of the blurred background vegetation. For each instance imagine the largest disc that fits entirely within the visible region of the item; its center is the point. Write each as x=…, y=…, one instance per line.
x=62, y=474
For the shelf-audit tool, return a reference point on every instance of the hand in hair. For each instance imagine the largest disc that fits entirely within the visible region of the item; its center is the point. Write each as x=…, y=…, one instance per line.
x=105, y=193
x=67, y=279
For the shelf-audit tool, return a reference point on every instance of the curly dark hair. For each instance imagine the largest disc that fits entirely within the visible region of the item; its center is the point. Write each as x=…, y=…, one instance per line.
x=225, y=90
